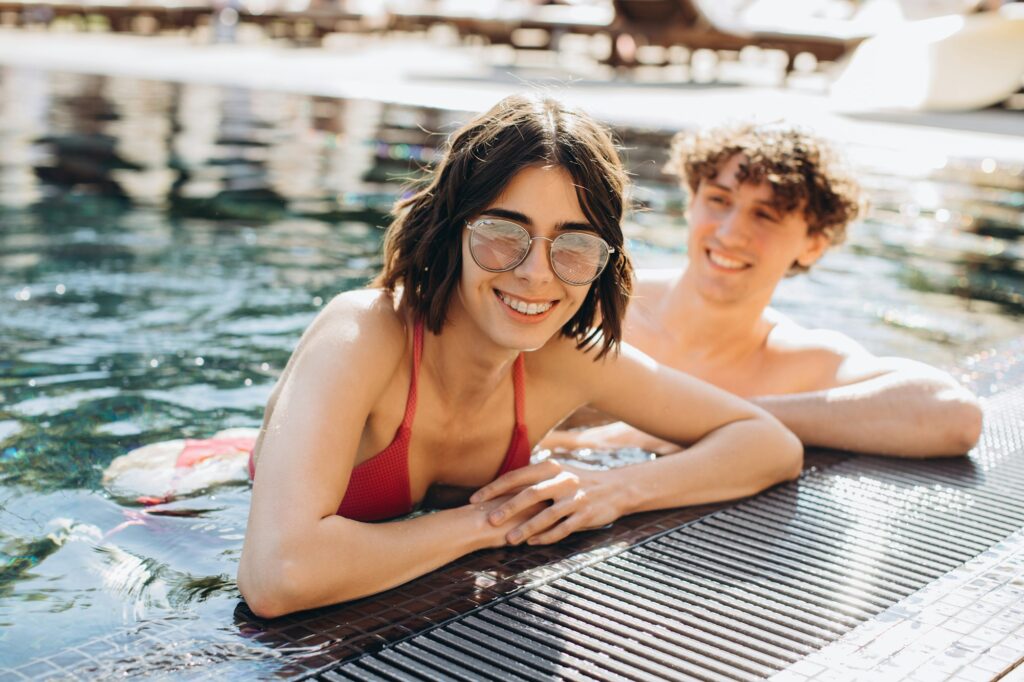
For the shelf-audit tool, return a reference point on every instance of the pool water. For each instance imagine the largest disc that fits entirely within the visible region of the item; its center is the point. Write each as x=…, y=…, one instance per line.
x=162, y=247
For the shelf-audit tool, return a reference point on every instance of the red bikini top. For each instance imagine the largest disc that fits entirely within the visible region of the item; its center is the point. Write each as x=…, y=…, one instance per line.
x=379, y=487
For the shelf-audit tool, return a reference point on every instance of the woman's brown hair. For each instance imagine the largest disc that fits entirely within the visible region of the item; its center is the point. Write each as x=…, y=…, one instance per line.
x=423, y=245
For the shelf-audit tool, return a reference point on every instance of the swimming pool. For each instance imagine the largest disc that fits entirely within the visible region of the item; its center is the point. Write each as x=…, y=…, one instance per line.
x=164, y=245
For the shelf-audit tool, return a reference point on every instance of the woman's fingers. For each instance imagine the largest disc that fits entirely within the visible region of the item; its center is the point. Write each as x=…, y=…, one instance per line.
x=515, y=480
x=548, y=491
x=540, y=522
x=559, y=532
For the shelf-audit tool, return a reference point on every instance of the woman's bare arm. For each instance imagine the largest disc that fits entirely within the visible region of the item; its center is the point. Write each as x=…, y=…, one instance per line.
x=298, y=553
x=733, y=449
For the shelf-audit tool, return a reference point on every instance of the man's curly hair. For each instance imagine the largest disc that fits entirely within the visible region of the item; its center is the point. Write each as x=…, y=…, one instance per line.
x=803, y=170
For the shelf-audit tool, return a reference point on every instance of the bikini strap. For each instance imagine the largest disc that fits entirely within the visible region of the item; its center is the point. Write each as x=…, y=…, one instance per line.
x=417, y=353
x=518, y=390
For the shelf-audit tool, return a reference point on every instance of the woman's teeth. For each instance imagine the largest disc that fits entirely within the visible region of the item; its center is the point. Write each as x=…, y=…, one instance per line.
x=524, y=307
x=725, y=262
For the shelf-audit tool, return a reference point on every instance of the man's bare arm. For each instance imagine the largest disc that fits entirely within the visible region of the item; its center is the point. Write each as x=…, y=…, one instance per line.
x=606, y=437
x=909, y=409
x=902, y=408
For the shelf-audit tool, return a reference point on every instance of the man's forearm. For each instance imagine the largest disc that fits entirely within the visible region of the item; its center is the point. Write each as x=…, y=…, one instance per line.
x=607, y=437
x=894, y=414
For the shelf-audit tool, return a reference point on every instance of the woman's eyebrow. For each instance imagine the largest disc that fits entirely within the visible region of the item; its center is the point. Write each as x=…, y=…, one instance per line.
x=515, y=216
x=575, y=227
x=525, y=220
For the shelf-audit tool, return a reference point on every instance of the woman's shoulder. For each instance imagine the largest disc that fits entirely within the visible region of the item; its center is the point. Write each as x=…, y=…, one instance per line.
x=369, y=311
x=357, y=324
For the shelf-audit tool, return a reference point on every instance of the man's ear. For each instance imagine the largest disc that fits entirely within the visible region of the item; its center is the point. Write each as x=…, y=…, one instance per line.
x=814, y=246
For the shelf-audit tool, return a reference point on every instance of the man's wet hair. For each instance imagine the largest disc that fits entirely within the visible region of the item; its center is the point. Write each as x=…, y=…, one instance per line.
x=804, y=171
x=423, y=245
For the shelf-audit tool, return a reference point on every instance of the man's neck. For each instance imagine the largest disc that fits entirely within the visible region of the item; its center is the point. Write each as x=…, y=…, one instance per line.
x=709, y=328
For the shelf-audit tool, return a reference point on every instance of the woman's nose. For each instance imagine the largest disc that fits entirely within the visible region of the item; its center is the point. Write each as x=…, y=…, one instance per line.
x=537, y=265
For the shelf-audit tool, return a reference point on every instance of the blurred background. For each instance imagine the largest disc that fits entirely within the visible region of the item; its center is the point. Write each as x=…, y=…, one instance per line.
x=184, y=185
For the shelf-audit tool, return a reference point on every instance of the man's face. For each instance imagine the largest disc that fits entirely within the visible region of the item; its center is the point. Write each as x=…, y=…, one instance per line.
x=740, y=246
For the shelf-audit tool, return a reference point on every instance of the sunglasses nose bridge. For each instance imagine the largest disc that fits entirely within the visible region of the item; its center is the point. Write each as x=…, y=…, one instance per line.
x=546, y=258
x=549, y=240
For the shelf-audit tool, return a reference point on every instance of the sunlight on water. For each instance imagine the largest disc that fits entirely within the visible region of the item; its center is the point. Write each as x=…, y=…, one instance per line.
x=163, y=246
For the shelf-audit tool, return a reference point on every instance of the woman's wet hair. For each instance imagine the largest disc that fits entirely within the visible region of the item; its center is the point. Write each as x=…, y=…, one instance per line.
x=804, y=171
x=423, y=245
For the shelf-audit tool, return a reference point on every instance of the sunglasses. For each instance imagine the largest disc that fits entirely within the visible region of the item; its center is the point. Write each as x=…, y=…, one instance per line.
x=576, y=258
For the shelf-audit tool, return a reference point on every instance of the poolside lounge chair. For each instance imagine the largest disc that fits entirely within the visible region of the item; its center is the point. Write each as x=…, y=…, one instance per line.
x=499, y=22
x=120, y=15
x=697, y=24
x=946, y=63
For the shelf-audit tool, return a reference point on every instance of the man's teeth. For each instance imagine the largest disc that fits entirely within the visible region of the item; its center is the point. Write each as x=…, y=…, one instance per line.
x=725, y=262
x=524, y=307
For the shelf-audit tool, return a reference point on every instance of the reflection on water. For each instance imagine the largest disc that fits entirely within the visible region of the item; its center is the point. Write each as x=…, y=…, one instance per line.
x=162, y=247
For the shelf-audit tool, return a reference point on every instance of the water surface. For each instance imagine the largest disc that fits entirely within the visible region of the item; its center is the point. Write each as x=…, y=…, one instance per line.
x=163, y=246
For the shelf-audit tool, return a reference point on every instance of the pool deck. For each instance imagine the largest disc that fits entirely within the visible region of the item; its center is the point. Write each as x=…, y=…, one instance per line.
x=436, y=73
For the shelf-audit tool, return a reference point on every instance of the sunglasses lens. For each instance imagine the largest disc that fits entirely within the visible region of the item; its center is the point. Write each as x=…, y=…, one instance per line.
x=498, y=245
x=578, y=258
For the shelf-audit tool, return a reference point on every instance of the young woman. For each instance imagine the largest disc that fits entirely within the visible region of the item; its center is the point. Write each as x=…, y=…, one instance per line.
x=498, y=314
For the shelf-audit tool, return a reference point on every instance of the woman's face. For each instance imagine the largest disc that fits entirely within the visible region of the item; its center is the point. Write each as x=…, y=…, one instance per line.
x=521, y=309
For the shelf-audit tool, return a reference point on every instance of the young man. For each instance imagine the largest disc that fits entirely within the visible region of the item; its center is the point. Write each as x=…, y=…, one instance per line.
x=767, y=201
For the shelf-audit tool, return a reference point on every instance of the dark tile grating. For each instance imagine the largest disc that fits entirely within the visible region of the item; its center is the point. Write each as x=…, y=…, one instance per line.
x=747, y=590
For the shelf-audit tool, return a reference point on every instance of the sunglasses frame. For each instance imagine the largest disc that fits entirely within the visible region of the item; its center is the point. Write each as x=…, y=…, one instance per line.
x=472, y=225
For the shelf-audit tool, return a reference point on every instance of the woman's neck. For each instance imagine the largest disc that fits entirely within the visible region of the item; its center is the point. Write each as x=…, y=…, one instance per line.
x=462, y=362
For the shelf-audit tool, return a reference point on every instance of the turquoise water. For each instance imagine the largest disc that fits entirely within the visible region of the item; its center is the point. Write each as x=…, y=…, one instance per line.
x=163, y=246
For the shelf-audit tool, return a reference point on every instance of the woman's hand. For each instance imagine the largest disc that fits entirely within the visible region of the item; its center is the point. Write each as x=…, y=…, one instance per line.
x=575, y=499
x=495, y=529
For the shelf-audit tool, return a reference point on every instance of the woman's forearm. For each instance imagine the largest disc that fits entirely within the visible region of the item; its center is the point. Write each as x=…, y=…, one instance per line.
x=737, y=460
x=338, y=559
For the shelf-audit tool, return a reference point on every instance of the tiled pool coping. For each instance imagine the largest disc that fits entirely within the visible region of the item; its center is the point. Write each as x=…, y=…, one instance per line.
x=315, y=642
x=890, y=616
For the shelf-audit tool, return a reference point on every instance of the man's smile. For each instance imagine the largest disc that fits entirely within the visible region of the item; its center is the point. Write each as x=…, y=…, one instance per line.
x=720, y=260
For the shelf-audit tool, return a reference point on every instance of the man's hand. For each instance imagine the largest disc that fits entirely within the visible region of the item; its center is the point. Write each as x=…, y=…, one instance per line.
x=576, y=499
x=612, y=436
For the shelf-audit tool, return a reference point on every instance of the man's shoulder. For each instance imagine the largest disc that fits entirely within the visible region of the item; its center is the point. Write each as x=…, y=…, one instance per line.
x=790, y=337
x=651, y=283
x=816, y=359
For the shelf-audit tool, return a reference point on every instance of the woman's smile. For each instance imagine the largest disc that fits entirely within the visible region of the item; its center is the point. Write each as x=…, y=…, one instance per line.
x=525, y=310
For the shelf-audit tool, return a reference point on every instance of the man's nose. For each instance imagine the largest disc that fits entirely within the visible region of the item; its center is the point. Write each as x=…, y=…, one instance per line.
x=733, y=228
